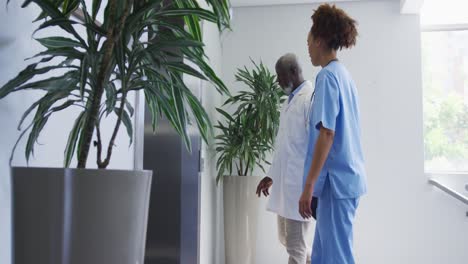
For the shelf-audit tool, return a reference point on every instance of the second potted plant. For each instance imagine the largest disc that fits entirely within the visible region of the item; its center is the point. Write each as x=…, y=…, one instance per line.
x=246, y=138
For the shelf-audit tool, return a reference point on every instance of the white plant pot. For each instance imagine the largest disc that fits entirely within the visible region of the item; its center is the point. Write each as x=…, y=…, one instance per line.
x=241, y=207
x=79, y=216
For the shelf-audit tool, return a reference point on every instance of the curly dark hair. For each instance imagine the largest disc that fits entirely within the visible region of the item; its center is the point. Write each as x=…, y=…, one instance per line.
x=334, y=26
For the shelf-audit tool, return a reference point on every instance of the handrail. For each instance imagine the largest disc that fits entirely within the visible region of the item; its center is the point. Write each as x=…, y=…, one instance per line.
x=461, y=197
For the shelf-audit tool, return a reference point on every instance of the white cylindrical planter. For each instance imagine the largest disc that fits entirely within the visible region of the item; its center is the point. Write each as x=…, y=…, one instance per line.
x=241, y=207
x=77, y=216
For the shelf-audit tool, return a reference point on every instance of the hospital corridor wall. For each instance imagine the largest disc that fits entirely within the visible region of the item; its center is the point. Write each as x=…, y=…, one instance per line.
x=402, y=219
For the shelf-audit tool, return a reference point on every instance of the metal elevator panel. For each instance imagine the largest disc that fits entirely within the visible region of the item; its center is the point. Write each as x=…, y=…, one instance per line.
x=173, y=220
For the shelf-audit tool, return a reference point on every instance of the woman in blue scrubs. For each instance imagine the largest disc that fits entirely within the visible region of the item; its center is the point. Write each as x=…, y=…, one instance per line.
x=334, y=164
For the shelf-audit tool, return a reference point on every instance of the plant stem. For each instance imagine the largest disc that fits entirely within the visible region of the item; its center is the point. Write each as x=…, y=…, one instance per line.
x=113, y=34
x=241, y=168
x=91, y=119
x=123, y=100
x=247, y=168
x=99, y=145
x=120, y=113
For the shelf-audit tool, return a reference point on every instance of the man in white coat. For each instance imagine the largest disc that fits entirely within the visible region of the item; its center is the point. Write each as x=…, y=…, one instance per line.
x=287, y=170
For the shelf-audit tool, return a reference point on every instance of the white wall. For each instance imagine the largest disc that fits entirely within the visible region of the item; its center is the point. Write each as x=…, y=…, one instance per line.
x=402, y=219
x=211, y=232
x=16, y=44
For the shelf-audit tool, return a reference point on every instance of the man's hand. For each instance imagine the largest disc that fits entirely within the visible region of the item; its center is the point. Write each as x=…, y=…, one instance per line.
x=263, y=186
x=305, y=203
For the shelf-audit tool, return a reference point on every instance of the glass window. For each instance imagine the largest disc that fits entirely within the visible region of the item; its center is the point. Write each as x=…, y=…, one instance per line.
x=445, y=89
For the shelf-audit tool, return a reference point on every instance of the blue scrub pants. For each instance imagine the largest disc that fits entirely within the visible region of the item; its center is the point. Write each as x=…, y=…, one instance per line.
x=333, y=242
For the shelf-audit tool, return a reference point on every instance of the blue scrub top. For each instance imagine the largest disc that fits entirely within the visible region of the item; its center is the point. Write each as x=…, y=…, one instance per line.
x=335, y=107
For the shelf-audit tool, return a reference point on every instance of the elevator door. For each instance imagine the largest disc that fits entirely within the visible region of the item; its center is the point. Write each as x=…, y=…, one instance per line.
x=173, y=220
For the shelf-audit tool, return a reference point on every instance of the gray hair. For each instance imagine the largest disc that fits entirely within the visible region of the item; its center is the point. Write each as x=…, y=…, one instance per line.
x=288, y=62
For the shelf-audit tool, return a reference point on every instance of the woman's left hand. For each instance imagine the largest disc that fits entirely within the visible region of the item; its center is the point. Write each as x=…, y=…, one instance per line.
x=305, y=204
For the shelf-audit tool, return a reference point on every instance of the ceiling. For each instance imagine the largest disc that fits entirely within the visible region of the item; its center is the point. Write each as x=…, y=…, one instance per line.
x=241, y=3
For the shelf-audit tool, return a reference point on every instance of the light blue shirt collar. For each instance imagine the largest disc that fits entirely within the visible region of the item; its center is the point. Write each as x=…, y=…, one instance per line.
x=297, y=90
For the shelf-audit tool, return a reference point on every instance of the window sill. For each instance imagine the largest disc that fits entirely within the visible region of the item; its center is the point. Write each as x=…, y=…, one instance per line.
x=455, y=185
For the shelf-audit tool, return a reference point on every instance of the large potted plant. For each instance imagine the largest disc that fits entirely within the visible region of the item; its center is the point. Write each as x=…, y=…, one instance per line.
x=65, y=215
x=246, y=138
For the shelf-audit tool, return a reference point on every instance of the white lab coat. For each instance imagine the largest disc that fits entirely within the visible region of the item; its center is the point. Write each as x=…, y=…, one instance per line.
x=287, y=168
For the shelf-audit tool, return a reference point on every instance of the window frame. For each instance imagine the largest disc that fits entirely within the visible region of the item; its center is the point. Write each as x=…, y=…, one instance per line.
x=442, y=28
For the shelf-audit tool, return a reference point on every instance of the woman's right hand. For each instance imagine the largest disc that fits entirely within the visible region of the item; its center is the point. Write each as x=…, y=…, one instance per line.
x=304, y=203
x=264, y=186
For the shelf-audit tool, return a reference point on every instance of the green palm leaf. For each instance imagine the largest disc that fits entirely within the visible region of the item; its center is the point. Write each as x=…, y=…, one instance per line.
x=249, y=132
x=139, y=45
